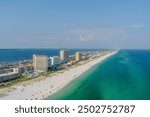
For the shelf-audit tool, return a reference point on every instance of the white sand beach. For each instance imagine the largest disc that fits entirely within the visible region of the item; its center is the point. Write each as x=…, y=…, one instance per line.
x=41, y=89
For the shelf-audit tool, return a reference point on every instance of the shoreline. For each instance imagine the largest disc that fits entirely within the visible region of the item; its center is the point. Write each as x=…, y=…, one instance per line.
x=43, y=88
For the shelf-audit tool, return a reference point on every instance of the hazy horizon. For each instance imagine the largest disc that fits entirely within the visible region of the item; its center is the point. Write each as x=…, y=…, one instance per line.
x=75, y=24
x=83, y=48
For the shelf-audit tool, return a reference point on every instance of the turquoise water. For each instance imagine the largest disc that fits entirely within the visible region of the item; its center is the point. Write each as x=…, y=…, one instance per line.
x=124, y=76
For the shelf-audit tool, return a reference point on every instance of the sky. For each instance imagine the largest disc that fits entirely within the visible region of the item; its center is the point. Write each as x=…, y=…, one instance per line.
x=120, y=24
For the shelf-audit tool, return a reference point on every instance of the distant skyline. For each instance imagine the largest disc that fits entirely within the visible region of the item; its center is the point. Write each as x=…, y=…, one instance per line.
x=75, y=24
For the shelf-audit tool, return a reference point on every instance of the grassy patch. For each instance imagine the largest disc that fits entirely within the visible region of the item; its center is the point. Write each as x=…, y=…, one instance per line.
x=15, y=82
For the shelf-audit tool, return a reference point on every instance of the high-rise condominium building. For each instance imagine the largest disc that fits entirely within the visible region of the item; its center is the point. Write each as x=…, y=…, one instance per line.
x=55, y=60
x=64, y=55
x=78, y=56
x=40, y=63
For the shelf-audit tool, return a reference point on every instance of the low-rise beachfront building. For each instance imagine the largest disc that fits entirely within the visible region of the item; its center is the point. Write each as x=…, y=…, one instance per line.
x=8, y=76
x=78, y=56
x=23, y=69
x=71, y=63
x=40, y=63
x=64, y=55
x=55, y=60
x=84, y=56
x=19, y=69
x=28, y=68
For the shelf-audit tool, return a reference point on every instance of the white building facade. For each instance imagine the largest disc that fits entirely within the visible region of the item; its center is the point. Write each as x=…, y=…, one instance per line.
x=64, y=55
x=55, y=60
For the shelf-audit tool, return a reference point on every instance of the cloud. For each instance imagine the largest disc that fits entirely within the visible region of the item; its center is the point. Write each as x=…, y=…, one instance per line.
x=102, y=37
x=99, y=34
x=135, y=26
x=86, y=37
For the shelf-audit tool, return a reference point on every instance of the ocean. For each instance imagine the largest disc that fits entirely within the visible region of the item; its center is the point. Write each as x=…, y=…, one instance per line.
x=123, y=76
x=15, y=55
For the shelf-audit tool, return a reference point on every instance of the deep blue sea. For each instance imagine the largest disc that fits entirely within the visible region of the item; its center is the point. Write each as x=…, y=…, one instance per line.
x=123, y=76
x=13, y=55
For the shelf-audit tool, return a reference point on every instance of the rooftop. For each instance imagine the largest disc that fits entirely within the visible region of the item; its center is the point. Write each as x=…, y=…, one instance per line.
x=6, y=74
